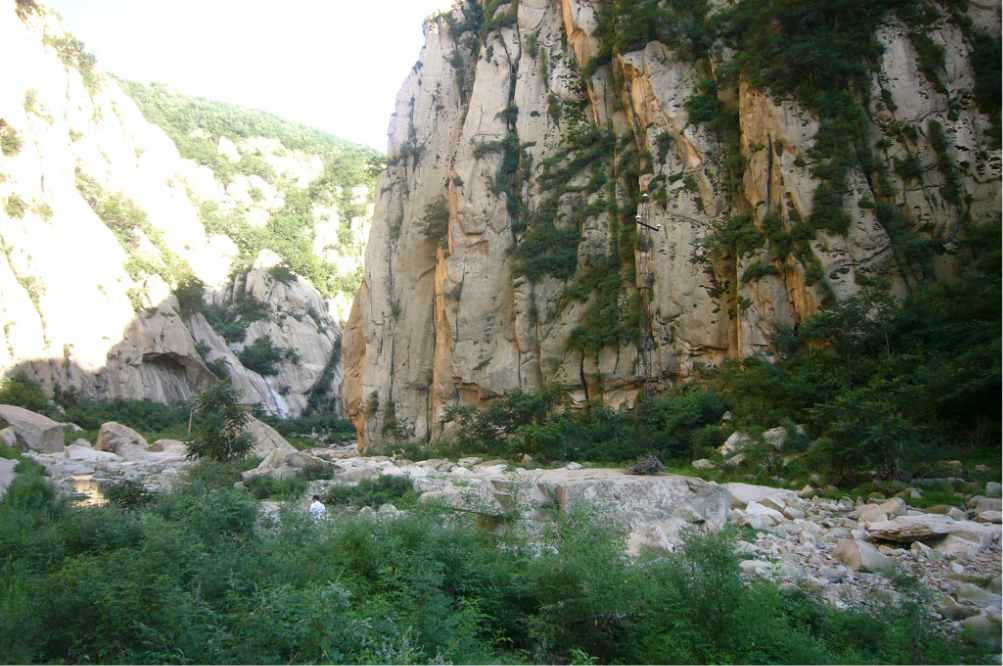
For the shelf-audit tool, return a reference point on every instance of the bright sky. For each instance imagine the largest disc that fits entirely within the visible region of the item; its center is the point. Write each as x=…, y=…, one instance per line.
x=333, y=64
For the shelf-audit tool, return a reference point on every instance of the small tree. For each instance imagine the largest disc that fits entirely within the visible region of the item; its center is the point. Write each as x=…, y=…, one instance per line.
x=220, y=434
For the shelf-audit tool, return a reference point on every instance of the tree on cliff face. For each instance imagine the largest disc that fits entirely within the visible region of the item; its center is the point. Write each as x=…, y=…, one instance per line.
x=220, y=435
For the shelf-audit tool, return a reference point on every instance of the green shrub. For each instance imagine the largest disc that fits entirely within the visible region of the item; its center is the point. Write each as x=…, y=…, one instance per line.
x=128, y=495
x=261, y=356
x=220, y=435
x=264, y=487
x=10, y=142
x=386, y=489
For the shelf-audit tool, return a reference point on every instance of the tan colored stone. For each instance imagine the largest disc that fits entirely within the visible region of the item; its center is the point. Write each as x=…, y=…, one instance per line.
x=34, y=431
x=862, y=556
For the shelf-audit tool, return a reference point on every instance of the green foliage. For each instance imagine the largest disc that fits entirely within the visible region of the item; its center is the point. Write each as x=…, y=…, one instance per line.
x=14, y=206
x=385, y=489
x=71, y=51
x=198, y=577
x=265, y=487
x=262, y=356
x=10, y=141
x=195, y=126
x=144, y=416
x=130, y=225
x=220, y=435
x=22, y=391
x=435, y=223
x=128, y=495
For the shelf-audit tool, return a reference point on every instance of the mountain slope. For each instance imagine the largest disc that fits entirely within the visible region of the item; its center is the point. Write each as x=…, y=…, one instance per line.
x=103, y=220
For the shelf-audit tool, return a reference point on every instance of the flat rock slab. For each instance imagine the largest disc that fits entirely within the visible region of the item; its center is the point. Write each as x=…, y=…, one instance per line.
x=743, y=493
x=37, y=432
x=632, y=501
x=928, y=526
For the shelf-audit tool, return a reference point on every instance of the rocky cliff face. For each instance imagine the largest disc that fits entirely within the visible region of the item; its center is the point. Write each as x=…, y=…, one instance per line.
x=102, y=219
x=558, y=199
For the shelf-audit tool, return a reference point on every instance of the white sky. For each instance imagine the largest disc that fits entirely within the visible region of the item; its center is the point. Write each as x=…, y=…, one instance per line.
x=333, y=64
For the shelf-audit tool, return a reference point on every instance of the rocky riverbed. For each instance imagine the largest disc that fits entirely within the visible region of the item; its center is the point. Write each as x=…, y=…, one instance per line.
x=852, y=549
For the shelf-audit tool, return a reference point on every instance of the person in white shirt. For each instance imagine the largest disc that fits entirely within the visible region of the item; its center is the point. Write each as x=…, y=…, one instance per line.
x=317, y=509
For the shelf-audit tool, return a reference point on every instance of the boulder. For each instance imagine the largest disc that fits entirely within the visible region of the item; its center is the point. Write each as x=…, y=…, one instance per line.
x=927, y=527
x=982, y=504
x=994, y=517
x=983, y=625
x=703, y=463
x=8, y=437
x=993, y=489
x=971, y=592
x=776, y=437
x=114, y=436
x=743, y=493
x=34, y=431
x=872, y=513
x=266, y=439
x=862, y=556
x=78, y=452
x=738, y=441
x=171, y=447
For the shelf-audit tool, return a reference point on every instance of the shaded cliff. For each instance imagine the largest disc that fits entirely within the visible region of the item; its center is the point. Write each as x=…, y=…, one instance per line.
x=571, y=182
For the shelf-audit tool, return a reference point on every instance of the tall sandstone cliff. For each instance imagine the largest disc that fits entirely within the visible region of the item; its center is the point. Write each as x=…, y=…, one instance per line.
x=102, y=219
x=505, y=252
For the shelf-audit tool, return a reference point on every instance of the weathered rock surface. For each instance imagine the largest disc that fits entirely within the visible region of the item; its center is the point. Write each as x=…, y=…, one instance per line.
x=114, y=436
x=79, y=311
x=459, y=322
x=36, y=432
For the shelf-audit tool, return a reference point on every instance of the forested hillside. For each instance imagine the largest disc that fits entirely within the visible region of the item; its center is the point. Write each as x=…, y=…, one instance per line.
x=144, y=261
x=318, y=213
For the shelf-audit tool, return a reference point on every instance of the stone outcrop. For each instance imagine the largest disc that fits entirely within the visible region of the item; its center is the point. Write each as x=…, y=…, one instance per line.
x=493, y=129
x=86, y=301
x=34, y=431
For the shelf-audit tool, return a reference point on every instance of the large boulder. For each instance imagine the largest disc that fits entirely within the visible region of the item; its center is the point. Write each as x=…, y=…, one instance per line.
x=116, y=438
x=266, y=439
x=943, y=533
x=34, y=431
x=862, y=556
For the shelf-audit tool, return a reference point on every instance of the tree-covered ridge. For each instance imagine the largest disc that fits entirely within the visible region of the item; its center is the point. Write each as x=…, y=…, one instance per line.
x=295, y=207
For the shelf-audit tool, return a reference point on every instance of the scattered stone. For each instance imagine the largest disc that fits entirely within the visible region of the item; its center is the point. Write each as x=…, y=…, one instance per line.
x=703, y=463
x=114, y=436
x=983, y=625
x=994, y=517
x=755, y=567
x=873, y=513
x=983, y=504
x=573, y=466
x=743, y=493
x=775, y=437
x=469, y=462
x=8, y=437
x=971, y=592
x=993, y=489
x=862, y=556
x=738, y=442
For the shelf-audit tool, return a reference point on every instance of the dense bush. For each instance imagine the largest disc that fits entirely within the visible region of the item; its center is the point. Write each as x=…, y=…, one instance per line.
x=220, y=434
x=199, y=577
x=396, y=490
